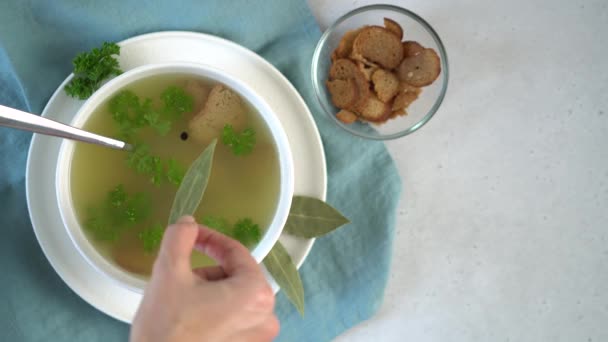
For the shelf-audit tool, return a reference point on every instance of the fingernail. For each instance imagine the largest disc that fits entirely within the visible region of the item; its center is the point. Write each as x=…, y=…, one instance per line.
x=186, y=219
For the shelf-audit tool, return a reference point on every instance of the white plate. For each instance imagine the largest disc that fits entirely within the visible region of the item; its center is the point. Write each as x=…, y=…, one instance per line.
x=306, y=146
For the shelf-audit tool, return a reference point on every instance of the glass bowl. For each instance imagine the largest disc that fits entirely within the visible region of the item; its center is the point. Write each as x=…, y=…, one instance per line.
x=414, y=28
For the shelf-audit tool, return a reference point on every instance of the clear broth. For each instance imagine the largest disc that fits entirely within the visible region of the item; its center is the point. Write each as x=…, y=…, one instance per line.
x=239, y=186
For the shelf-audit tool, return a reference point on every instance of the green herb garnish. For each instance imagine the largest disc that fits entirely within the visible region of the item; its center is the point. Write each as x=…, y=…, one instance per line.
x=191, y=190
x=119, y=211
x=98, y=225
x=247, y=232
x=91, y=68
x=131, y=114
x=176, y=102
x=244, y=230
x=152, y=237
x=241, y=143
x=219, y=224
x=144, y=162
x=175, y=172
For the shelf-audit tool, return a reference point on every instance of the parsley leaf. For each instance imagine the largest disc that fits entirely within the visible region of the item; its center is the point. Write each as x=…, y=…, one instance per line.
x=91, y=68
x=127, y=112
x=241, y=144
x=131, y=113
x=244, y=230
x=143, y=162
x=247, y=232
x=176, y=102
x=118, y=212
x=97, y=225
x=152, y=237
x=175, y=172
x=218, y=224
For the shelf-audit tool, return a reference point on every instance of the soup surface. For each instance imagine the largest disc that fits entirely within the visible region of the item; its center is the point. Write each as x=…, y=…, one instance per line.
x=123, y=203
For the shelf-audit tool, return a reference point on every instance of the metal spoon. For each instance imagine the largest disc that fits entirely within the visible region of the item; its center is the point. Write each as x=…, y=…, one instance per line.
x=14, y=118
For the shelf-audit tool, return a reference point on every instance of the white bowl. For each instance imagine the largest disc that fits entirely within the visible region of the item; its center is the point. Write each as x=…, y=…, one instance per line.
x=62, y=176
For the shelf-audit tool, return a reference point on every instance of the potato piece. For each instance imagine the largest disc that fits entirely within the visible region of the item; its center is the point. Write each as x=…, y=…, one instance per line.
x=343, y=92
x=223, y=107
x=346, y=116
x=345, y=47
x=386, y=84
x=403, y=100
x=199, y=93
x=374, y=110
x=378, y=45
x=420, y=70
x=393, y=27
x=411, y=48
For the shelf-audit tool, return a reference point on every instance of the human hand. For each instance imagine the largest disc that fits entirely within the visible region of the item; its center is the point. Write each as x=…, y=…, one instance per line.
x=228, y=302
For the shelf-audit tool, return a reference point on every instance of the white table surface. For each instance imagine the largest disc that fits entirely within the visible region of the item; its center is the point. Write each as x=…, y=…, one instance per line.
x=502, y=231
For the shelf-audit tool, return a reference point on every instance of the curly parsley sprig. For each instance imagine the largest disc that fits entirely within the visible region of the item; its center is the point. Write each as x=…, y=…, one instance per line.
x=91, y=68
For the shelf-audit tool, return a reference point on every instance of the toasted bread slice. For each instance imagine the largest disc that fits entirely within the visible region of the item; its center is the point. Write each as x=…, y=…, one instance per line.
x=223, y=107
x=378, y=45
x=367, y=70
x=406, y=87
x=374, y=110
x=393, y=27
x=403, y=100
x=345, y=47
x=421, y=69
x=399, y=112
x=411, y=48
x=386, y=84
x=347, y=116
x=343, y=92
x=199, y=93
x=344, y=69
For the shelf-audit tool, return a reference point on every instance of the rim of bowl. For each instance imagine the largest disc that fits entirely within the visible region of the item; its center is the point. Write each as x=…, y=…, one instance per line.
x=63, y=172
x=444, y=65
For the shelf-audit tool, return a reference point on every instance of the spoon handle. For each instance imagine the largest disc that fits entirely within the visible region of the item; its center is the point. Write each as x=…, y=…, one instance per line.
x=14, y=118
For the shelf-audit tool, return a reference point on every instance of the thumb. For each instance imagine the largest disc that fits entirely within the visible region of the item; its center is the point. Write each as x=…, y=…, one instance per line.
x=178, y=241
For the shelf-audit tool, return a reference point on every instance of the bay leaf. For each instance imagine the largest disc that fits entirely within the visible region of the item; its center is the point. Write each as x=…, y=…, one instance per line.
x=285, y=273
x=311, y=217
x=193, y=185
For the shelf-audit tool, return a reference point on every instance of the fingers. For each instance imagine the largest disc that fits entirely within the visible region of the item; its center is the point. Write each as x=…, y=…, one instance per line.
x=177, y=245
x=233, y=257
x=210, y=273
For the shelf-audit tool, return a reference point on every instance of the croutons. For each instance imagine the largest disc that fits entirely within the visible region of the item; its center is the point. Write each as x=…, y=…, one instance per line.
x=403, y=100
x=393, y=27
x=421, y=69
x=343, y=92
x=344, y=69
x=199, y=93
x=345, y=47
x=411, y=48
x=374, y=110
x=378, y=45
x=375, y=77
x=346, y=116
x=367, y=70
x=386, y=84
x=223, y=107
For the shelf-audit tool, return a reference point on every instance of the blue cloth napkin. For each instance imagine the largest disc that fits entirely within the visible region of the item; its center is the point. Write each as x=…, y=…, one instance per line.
x=346, y=273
